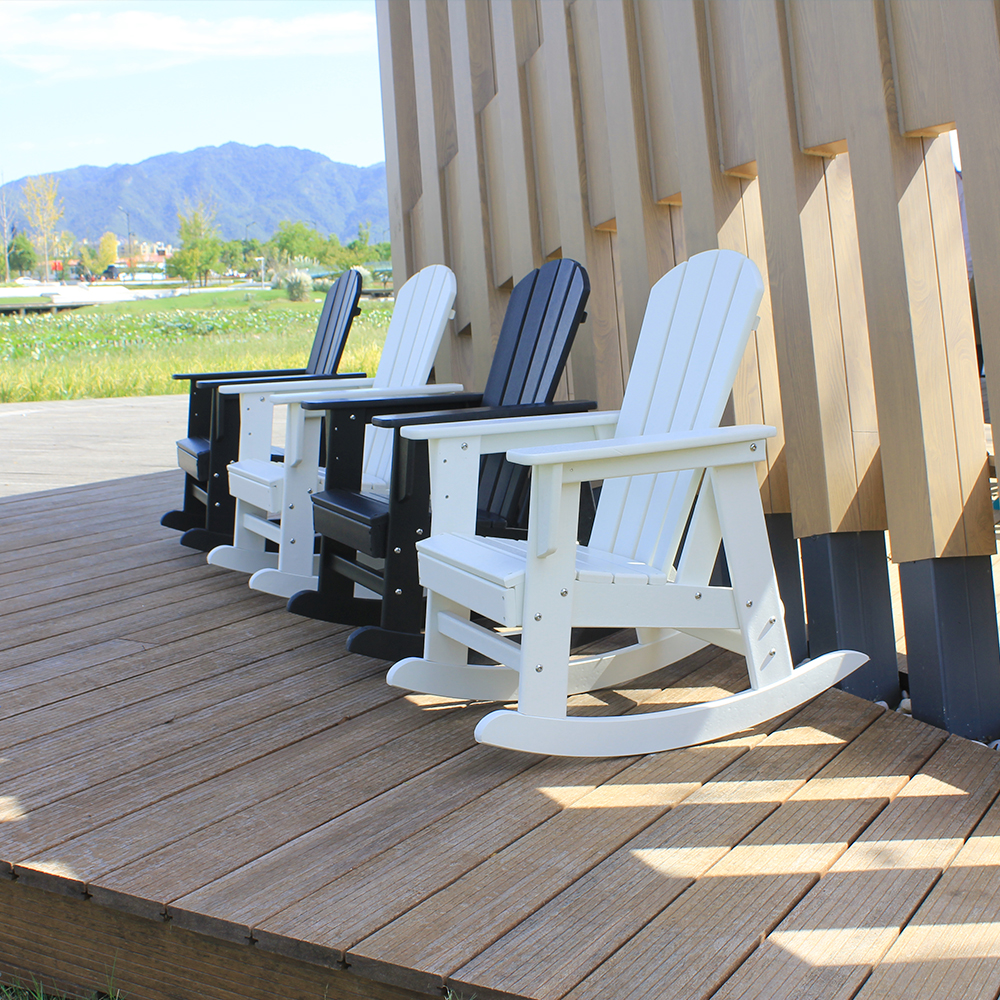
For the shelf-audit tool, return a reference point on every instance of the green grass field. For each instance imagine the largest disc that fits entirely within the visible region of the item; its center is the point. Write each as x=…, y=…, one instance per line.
x=133, y=348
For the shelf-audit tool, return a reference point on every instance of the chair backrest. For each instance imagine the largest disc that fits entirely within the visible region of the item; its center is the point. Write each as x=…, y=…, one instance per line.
x=698, y=320
x=419, y=316
x=339, y=309
x=544, y=311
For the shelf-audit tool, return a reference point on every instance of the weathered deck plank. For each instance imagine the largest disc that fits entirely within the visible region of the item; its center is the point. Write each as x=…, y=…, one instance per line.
x=175, y=745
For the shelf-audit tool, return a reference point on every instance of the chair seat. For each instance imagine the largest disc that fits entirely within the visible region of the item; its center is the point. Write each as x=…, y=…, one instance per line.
x=501, y=561
x=493, y=571
x=360, y=520
x=194, y=456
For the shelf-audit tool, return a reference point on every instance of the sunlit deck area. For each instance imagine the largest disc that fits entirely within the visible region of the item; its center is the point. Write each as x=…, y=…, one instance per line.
x=206, y=796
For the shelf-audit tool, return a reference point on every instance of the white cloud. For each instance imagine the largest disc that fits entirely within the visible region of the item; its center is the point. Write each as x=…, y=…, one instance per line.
x=60, y=42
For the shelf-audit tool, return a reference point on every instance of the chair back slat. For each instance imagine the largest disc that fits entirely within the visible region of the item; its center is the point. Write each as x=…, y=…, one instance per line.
x=339, y=309
x=697, y=323
x=419, y=317
x=544, y=311
x=543, y=314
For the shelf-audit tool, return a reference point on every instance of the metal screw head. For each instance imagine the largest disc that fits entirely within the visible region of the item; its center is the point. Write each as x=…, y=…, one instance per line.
x=352, y=417
x=398, y=591
x=397, y=550
x=564, y=592
x=215, y=475
x=291, y=506
x=538, y=669
x=697, y=596
x=465, y=446
x=773, y=651
x=291, y=541
x=420, y=531
x=753, y=447
x=262, y=399
x=771, y=620
x=217, y=504
x=538, y=617
x=749, y=604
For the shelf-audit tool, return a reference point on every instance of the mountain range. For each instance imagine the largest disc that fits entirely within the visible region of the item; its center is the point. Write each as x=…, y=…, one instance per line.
x=251, y=189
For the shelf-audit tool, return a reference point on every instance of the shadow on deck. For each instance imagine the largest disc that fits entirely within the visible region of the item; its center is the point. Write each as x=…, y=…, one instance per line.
x=206, y=796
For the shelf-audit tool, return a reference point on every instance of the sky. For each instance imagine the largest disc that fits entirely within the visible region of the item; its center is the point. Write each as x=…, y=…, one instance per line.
x=97, y=82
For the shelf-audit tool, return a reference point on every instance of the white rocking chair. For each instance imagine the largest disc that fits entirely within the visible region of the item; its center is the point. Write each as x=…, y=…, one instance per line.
x=675, y=485
x=272, y=498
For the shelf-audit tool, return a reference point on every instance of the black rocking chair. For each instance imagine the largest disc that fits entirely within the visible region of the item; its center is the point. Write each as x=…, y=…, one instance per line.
x=213, y=432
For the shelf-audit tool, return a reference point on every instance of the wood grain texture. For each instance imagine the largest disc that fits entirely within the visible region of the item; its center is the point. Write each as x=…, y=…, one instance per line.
x=512, y=35
x=820, y=949
x=923, y=434
x=817, y=76
x=234, y=769
x=737, y=146
x=920, y=66
x=578, y=240
x=600, y=191
x=659, y=104
x=482, y=302
x=399, y=122
x=722, y=211
x=974, y=66
x=645, y=246
x=811, y=353
x=434, y=102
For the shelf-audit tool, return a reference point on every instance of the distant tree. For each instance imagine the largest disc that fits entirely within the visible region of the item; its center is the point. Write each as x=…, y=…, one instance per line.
x=200, y=246
x=296, y=241
x=232, y=255
x=21, y=254
x=364, y=237
x=43, y=209
x=106, y=254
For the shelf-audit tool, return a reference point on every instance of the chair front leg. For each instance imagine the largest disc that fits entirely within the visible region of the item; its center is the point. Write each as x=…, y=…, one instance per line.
x=755, y=586
x=550, y=573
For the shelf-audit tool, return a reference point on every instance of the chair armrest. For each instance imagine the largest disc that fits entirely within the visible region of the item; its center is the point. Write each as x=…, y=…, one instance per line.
x=325, y=384
x=293, y=379
x=490, y=436
x=275, y=373
x=372, y=395
x=485, y=413
x=650, y=453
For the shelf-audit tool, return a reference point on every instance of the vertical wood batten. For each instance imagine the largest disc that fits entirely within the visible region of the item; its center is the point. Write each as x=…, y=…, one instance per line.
x=594, y=376
x=484, y=303
x=509, y=37
x=920, y=66
x=930, y=512
x=974, y=64
x=810, y=355
x=850, y=298
x=435, y=120
x=714, y=216
x=600, y=195
x=659, y=106
x=645, y=246
x=399, y=120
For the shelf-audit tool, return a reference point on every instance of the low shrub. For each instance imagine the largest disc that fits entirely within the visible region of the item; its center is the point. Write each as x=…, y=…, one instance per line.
x=299, y=286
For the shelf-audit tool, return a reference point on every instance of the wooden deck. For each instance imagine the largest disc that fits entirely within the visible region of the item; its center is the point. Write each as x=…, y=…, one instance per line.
x=204, y=796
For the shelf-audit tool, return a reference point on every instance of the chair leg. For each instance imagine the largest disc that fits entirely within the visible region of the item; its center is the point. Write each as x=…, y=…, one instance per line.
x=192, y=513
x=755, y=586
x=247, y=552
x=297, y=567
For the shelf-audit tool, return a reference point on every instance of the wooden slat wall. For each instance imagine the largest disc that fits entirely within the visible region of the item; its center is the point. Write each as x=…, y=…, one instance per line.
x=629, y=134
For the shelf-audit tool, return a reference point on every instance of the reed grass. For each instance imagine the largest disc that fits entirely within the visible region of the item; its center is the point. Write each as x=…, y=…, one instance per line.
x=116, y=350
